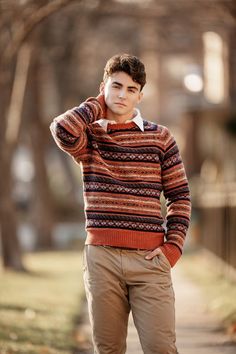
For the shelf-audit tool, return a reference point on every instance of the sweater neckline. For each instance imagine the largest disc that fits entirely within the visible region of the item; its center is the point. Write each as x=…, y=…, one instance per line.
x=116, y=126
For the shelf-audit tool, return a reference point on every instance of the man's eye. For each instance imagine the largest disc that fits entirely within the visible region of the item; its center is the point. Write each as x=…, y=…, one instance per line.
x=132, y=91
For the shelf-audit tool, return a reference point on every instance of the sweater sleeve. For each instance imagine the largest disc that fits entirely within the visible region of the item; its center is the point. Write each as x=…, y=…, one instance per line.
x=69, y=129
x=177, y=195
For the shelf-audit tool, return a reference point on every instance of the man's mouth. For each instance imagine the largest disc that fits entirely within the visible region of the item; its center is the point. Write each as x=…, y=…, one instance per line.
x=120, y=104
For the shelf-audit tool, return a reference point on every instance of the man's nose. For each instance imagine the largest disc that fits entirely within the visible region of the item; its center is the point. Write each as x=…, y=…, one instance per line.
x=122, y=94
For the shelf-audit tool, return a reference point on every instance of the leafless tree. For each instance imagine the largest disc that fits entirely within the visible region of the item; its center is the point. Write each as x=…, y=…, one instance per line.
x=17, y=22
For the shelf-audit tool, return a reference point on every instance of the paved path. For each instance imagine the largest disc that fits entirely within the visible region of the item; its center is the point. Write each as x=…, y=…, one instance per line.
x=197, y=330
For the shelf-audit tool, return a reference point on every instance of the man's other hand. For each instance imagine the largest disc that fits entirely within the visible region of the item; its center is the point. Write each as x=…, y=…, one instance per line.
x=155, y=252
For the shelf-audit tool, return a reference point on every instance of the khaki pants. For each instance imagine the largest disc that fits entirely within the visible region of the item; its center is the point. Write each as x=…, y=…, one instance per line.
x=117, y=281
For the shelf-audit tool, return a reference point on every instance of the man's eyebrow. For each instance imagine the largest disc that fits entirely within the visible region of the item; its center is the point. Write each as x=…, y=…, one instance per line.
x=119, y=84
x=133, y=87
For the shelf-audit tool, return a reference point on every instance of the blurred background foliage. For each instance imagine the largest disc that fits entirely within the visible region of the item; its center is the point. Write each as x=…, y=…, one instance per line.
x=52, y=58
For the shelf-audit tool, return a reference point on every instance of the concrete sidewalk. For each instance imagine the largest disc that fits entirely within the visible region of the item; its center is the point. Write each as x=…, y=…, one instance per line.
x=197, y=330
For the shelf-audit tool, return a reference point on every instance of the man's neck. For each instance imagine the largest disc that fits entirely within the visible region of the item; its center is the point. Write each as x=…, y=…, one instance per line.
x=120, y=118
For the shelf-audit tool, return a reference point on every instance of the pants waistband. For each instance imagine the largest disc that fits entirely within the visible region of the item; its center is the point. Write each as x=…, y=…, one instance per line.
x=125, y=248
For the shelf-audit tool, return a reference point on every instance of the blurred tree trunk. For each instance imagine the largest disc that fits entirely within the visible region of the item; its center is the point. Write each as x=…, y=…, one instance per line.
x=11, y=256
x=9, y=138
x=43, y=207
x=16, y=24
x=10, y=243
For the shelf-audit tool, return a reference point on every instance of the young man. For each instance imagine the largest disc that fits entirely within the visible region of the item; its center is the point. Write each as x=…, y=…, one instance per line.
x=126, y=162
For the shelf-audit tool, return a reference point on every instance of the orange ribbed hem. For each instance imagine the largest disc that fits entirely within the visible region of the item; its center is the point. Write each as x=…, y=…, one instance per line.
x=124, y=238
x=172, y=252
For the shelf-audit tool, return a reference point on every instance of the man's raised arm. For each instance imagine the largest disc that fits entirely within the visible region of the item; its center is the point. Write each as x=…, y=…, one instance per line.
x=69, y=128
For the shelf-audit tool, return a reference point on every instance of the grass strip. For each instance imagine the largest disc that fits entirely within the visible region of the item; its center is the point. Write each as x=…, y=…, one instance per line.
x=38, y=308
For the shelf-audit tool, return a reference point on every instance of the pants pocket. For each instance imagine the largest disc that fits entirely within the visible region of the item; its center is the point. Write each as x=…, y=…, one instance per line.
x=164, y=260
x=84, y=261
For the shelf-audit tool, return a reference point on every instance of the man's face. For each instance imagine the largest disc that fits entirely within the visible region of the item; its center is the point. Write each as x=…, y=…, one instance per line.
x=121, y=94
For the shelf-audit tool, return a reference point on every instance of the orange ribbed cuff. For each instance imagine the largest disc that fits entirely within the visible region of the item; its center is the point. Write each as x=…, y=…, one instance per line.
x=172, y=252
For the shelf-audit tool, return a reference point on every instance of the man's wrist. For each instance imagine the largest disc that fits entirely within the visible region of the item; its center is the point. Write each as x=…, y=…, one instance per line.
x=172, y=252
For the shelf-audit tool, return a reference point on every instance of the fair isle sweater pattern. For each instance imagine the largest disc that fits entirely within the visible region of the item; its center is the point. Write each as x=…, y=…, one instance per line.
x=124, y=171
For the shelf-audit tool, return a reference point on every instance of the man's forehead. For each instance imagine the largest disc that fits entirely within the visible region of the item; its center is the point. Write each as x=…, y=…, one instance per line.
x=123, y=78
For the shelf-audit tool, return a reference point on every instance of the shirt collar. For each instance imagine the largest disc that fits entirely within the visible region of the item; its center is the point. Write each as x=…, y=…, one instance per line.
x=138, y=120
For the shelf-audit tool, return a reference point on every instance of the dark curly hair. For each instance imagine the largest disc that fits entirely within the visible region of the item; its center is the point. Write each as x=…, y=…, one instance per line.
x=130, y=64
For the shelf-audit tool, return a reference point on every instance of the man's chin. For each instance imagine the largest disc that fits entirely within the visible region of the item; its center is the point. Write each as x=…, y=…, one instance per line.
x=119, y=110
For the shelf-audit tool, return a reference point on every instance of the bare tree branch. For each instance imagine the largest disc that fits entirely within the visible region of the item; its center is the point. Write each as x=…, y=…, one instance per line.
x=30, y=23
x=18, y=93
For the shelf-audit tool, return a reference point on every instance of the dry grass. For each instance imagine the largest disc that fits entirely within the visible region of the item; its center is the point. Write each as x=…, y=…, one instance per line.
x=38, y=309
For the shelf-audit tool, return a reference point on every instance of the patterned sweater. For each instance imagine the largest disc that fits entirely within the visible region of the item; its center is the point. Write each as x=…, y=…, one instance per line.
x=124, y=171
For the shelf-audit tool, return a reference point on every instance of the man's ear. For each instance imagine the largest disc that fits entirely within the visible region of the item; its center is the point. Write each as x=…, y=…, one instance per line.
x=140, y=97
x=101, y=88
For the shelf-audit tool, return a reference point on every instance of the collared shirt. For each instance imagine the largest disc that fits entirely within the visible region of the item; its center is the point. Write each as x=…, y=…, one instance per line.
x=138, y=120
